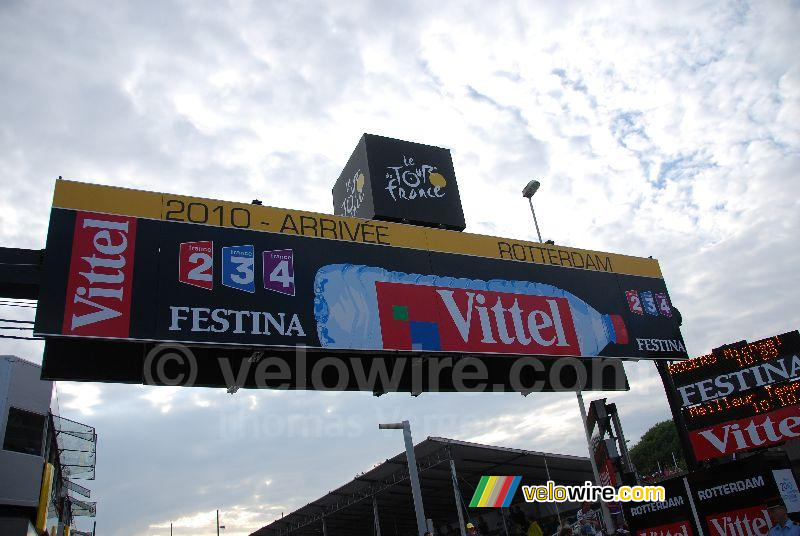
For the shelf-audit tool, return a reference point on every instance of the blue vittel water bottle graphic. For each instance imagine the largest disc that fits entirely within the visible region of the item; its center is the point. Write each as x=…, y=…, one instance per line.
x=347, y=302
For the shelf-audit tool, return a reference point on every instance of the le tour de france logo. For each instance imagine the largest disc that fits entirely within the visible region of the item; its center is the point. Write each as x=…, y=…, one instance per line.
x=354, y=195
x=413, y=180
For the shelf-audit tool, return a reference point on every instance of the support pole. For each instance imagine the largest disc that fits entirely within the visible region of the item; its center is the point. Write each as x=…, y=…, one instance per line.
x=217, y=522
x=558, y=511
x=606, y=513
x=413, y=475
x=375, y=516
x=623, y=445
x=503, y=517
x=324, y=527
x=457, y=494
x=693, y=507
x=536, y=223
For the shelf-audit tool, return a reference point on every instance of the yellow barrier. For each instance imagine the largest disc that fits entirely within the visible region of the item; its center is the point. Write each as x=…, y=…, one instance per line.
x=44, y=496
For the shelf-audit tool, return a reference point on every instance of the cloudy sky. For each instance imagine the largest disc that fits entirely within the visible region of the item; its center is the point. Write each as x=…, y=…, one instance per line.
x=669, y=129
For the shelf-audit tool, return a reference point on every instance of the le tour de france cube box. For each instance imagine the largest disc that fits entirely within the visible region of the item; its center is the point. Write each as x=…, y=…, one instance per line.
x=400, y=181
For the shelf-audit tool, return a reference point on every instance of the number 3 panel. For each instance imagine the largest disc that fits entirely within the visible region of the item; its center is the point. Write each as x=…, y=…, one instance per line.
x=238, y=263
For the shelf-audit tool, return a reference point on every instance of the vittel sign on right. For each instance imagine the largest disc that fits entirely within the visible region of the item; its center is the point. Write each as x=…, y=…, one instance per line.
x=740, y=397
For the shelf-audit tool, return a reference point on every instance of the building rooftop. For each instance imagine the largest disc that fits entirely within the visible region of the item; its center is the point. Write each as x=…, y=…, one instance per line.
x=349, y=509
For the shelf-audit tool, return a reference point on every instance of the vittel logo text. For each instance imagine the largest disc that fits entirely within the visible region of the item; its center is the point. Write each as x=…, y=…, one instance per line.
x=98, y=296
x=681, y=528
x=745, y=434
x=536, y=320
x=451, y=319
x=746, y=522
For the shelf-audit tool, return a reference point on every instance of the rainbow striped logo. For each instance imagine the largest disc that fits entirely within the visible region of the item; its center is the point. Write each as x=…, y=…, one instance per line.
x=495, y=491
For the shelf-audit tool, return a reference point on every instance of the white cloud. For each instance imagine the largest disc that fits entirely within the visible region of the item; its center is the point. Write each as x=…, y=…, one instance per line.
x=78, y=397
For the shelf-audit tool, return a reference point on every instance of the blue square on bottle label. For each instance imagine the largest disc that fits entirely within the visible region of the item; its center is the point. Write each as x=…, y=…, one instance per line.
x=424, y=336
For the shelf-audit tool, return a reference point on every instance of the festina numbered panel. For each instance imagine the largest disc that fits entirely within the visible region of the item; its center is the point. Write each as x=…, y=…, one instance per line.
x=741, y=397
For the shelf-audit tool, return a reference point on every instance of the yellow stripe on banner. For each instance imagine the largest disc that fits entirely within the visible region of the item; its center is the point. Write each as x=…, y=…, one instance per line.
x=534, y=252
x=44, y=496
x=107, y=199
x=487, y=491
x=179, y=208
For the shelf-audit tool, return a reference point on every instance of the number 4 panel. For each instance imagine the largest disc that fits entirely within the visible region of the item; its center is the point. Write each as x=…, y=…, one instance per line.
x=279, y=271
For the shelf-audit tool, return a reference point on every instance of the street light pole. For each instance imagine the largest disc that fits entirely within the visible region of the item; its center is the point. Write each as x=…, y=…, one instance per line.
x=536, y=223
x=413, y=475
x=530, y=189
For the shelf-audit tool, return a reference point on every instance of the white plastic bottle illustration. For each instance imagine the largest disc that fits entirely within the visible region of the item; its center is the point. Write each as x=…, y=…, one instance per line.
x=483, y=315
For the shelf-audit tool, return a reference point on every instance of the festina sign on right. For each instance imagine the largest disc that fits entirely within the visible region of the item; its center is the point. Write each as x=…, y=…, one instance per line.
x=741, y=397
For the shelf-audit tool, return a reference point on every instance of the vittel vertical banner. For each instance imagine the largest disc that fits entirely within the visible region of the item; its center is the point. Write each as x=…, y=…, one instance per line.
x=99, y=284
x=143, y=266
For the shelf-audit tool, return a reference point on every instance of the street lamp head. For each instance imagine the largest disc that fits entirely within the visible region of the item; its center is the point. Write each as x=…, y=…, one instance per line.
x=530, y=188
x=391, y=426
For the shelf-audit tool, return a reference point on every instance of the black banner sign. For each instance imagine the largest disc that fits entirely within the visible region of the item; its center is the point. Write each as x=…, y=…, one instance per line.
x=747, y=364
x=126, y=270
x=741, y=397
x=122, y=277
x=732, y=500
x=670, y=517
x=757, y=401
